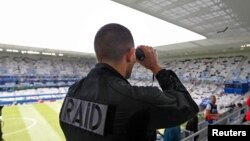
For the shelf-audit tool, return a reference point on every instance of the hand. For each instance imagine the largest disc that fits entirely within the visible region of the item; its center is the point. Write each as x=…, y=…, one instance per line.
x=150, y=62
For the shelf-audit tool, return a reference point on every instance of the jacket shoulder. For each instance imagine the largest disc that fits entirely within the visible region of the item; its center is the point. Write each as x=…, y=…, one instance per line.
x=75, y=86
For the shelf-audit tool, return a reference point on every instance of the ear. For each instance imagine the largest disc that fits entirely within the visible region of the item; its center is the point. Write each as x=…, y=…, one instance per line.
x=130, y=56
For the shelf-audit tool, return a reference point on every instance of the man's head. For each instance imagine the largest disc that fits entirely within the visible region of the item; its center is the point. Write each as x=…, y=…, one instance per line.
x=114, y=44
x=213, y=99
x=112, y=41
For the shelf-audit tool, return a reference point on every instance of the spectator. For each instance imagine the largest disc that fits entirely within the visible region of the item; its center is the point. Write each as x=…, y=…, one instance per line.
x=248, y=110
x=133, y=113
x=211, y=112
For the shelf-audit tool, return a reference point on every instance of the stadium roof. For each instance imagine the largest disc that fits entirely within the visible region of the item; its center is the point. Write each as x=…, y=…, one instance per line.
x=72, y=24
x=225, y=23
x=45, y=51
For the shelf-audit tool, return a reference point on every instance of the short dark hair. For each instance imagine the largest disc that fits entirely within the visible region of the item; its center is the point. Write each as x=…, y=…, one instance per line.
x=112, y=41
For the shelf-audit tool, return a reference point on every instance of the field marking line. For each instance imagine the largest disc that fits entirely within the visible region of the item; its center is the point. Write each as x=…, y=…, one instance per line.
x=34, y=122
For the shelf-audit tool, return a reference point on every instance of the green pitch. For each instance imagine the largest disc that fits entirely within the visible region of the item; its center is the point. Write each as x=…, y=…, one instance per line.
x=33, y=122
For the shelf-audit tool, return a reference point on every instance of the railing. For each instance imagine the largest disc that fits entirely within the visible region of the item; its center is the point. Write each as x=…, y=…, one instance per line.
x=232, y=117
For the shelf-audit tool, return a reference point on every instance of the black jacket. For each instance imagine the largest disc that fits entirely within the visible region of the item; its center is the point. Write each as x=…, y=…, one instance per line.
x=134, y=112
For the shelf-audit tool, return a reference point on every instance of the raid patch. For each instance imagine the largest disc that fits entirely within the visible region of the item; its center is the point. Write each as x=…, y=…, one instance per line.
x=86, y=115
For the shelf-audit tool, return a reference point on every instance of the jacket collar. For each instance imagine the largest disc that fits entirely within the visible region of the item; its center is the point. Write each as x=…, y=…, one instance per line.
x=110, y=69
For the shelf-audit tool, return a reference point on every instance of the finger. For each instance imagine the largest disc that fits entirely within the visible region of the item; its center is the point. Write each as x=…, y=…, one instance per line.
x=143, y=48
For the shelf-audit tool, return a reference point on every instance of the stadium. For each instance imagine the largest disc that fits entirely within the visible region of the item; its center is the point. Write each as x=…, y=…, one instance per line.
x=34, y=81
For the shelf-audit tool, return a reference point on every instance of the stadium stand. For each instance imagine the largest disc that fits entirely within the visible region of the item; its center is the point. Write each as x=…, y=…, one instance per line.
x=37, y=78
x=28, y=75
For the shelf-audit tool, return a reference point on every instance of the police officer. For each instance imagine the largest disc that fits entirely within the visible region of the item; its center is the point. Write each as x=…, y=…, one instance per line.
x=104, y=106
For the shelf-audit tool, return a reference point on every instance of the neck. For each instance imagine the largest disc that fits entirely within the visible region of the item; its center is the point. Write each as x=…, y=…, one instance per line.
x=118, y=66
